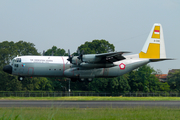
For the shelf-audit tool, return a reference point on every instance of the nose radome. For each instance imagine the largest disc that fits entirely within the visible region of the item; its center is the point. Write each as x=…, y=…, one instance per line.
x=8, y=69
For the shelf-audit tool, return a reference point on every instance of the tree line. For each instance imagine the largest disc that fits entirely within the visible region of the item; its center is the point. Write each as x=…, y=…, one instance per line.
x=142, y=79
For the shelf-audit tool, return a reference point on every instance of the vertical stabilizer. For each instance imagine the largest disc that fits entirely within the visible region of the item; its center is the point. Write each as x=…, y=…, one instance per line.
x=154, y=48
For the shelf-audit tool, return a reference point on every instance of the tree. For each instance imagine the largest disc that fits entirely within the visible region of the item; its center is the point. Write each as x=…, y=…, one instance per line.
x=96, y=47
x=143, y=79
x=174, y=80
x=119, y=84
x=164, y=87
x=133, y=81
x=111, y=85
x=100, y=85
x=54, y=51
x=9, y=82
x=123, y=83
x=8, y=51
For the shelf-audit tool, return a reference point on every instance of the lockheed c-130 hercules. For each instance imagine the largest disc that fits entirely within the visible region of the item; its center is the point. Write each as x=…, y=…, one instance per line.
x=89, y=66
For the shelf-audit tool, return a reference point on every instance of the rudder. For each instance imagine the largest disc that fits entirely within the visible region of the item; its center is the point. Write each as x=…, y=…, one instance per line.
x=154, y=47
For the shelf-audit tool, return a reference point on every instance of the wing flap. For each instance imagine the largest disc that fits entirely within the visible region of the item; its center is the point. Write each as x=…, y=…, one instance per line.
x=111, y=54
x=112, y=57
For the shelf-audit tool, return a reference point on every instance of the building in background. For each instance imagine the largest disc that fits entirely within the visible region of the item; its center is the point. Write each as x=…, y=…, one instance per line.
x=162, y=77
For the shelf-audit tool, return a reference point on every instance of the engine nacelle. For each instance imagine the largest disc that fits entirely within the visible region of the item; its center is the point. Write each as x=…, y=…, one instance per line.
x=75, y=60
x=78, y=73
x=90, y=58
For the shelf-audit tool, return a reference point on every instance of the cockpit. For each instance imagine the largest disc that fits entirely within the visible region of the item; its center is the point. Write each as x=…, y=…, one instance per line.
x=15, y=62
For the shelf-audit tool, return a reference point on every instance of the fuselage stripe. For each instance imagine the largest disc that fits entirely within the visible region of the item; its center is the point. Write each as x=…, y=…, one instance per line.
x=63, y=65
x=103, y=71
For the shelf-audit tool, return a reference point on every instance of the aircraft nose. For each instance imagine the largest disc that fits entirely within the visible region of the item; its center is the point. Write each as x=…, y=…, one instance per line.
x=7, y=69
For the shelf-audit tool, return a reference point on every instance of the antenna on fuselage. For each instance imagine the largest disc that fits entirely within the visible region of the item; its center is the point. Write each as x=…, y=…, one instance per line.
x=52, y=53
x=43, y=52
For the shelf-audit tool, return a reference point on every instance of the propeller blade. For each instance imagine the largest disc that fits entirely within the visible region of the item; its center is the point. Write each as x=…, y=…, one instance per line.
x=78, y=51
x=70, y=57
x=81, y=55
x=68, y=52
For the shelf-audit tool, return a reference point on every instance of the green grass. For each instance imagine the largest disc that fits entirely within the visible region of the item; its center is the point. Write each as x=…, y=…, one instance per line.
x=81, y=98
x=135, y=113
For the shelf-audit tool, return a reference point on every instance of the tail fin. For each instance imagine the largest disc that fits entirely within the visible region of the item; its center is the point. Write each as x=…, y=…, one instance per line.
x=154, y=47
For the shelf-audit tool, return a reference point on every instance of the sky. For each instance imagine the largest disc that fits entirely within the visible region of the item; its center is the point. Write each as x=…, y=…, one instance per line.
x=69, y=23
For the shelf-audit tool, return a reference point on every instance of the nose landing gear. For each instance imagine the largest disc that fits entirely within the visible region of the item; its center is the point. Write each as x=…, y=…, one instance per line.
x=20, y=78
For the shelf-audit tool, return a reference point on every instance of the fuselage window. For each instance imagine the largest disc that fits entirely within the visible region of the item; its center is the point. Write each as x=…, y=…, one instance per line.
x=15, y=65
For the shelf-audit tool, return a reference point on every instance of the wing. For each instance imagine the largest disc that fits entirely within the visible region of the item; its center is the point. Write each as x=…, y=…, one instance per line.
x=111, y=57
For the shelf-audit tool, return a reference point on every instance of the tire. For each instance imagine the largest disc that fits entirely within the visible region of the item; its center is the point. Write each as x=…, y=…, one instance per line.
x=81, y=79
x=20, y=78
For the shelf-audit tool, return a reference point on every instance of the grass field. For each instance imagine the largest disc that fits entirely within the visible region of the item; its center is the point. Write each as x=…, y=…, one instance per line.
x=136, y=113
x=125, y=113
x=81, y=98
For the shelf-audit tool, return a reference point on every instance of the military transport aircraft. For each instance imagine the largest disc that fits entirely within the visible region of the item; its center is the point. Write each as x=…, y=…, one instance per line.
x=89, y=66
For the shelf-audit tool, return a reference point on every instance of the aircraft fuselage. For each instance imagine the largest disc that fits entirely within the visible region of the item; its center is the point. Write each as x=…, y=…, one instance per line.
x=55, y=66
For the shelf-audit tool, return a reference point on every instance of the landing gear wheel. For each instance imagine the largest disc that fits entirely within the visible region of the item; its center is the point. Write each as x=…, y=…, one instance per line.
x=81, y=79
x=20, y=78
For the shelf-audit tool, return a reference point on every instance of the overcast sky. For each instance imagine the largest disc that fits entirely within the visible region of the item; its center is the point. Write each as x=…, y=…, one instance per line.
x=69, y=23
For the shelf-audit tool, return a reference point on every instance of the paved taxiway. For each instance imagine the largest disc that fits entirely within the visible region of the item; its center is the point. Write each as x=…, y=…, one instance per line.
x=86, y=104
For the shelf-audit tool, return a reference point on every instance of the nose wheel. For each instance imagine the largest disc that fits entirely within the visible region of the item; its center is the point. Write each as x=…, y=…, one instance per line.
x=20, y=78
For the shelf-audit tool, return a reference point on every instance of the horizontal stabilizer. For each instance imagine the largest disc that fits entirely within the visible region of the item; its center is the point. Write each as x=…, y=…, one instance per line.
x=157, y=60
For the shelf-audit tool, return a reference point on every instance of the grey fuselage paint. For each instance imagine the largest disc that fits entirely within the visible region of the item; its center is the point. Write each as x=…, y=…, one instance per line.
x=73, y=71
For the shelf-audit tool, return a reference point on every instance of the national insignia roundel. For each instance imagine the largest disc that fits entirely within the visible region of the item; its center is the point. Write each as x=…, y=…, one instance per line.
x=122, y=66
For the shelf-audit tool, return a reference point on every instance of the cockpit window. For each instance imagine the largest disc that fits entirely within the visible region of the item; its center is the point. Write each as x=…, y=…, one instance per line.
x=18, y=59
x=12, y=62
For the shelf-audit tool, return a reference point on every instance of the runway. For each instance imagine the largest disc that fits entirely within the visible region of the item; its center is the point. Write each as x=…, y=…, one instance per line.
x=86, y=104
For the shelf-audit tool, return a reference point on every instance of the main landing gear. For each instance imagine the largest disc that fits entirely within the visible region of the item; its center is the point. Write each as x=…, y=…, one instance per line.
x=82, y=79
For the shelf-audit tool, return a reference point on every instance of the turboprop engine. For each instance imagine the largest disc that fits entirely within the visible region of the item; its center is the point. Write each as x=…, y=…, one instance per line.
x=75, y=60
x=91, y=58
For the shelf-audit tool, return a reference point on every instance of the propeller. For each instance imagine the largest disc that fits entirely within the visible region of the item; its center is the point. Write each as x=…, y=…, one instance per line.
x=70, y=56
x=80, y=55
